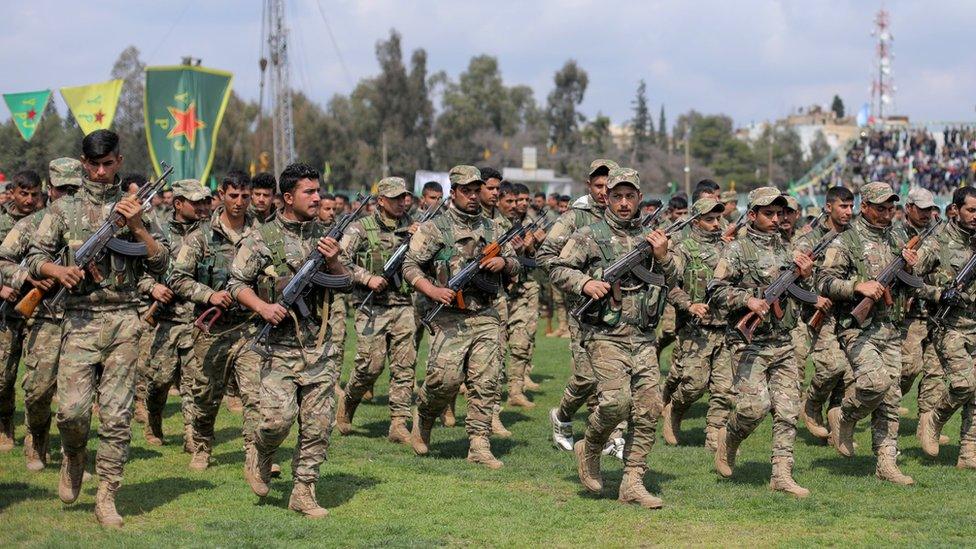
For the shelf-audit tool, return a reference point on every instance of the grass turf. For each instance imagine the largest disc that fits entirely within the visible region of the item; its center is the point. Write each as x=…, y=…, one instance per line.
x=381, y=494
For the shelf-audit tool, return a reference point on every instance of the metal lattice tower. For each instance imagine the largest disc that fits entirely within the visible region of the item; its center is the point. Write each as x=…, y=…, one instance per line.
x=283, y=129
x=882, y=84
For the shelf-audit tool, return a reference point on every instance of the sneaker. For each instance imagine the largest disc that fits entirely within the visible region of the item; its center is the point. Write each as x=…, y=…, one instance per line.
x=562, y=432
x=614, y=448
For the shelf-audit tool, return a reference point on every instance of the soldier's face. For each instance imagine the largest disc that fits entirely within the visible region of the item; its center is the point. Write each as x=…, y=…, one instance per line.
x=539, y=203
x=489, y=192
x=677, y=213
x=522, y=204
x=710, y=223
x=879, y=215
x=789, y=219
x=261, y=199
x=919, y=216
x=731, y=207
x=186, y=210
x=967, y=214
x=766, y=219
x=623, y=201
x=394, y=207
x=466, y=197
x=506, y=205
x=235, y=200
x=327, y=211
x=304, y=199
x=563, y=207
x=597, y=185
x=25, y=199
x=430, y=198
x=102, y=170
x=840, y=212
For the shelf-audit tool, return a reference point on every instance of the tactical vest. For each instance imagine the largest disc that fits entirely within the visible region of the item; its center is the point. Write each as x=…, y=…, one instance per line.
x=895, y=313
x=447, y=261
x=267, y=284
x=697, y=273
x=752, y=278
x=375, y=256
x=120, y=273
x=213, y=268
x=650, y=300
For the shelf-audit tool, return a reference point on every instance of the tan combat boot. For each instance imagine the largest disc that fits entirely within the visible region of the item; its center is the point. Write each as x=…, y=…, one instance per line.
x=725, y=453
x=529, y=384
x=7, y=435
x=479, y=451
x=588, y=466
x=497, y=428
x=420, y=436
x=841, y=432
x=35, y=451
x=928, y=433
x=447, y=416
x=632, y=490
x=257, y=472
x=234, y=404
x=887, y=469
x=967, y=455
x=303, y=500
x=200, y=460
x=518, y=399
x=105, y=505
x=72, y=473
x=154, y=429
x=368, y=396
x=812, y=416
x=782, y=478
x=140, y=415
x=344, y=415
x=672, y=424
x=398, y=431
x=188, y=444
x=711, y=439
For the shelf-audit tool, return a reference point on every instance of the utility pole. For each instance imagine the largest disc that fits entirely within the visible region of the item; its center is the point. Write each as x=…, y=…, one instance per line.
x=282, y=125
x=882, y=85
x=688, y=162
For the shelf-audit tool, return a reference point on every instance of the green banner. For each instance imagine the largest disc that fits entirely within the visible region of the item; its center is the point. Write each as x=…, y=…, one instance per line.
x=27, y=109
x=183, y=109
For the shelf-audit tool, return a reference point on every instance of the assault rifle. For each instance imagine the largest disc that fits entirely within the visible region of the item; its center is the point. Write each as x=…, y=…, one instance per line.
x=92, y=250
x=733, y=230
x=6, y=304
x=785, y=283
x=891, y=274
x=530, y=262
x=649, y=220
x=951, y=294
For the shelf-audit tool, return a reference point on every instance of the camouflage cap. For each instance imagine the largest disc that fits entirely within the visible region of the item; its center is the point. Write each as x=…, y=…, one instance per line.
x=764, y=196
x=465, y=175
x=601, y=164
x=65, y=172
x=877, y=193
x=623, y=175
x=729, y=196
x=707, y=205
x=391, y=187
x=921, y=198
x=792, y=203
x=190, y=189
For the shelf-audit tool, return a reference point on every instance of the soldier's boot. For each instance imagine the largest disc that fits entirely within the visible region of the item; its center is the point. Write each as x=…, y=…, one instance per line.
x=105, y=510
x=782, y=478
x=200, y=460
x=518, y=399
x=275, y=471
x=632, y=490
x=35, y=451
x=72, y=473
x=812, y=415
x=398, y=431
x=140, y=415
x=967, y=455
x=887, y=469
x=841, y=432
x=479, y=452
x=448, y=418
x=725, y=453
x=188, y=444
x=672, y=423
x=497, y=428
x=529, y=384
x=928, y=433
x=903, y=412
x=303, y=500
x=711, y=438
x=256, y=475
x=6, y=435
x=347, y=408
x=368, y=395
x=943, y=440
x=588, y=465
x=234, y=404
x=420, y=436
x=154, y=429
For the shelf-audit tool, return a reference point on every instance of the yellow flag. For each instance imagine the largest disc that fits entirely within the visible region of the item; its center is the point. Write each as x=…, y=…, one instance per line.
x=93, y=106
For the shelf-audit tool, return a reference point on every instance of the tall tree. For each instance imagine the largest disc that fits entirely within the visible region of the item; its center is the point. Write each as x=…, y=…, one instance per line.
x=640, y=126
x=129, y=120
x=662, y=129
x=837, y=105
x=561, y=114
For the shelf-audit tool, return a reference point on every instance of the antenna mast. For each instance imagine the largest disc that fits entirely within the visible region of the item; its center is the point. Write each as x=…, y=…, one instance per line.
x=283, y=128
x=882, y=85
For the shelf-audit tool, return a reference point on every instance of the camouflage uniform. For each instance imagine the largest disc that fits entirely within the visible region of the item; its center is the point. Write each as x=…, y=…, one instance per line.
x=101, y=328
x=523, y=321
x=11, y=339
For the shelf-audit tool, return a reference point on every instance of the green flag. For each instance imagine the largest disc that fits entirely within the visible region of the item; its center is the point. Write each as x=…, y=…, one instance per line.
x=27, y=109
x=183, y=109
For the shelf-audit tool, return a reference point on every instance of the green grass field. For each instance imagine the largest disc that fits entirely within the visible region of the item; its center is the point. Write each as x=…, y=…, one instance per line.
x=381, y=494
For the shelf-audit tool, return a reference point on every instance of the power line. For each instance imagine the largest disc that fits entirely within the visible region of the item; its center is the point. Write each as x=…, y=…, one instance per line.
x=335, y=45
x=170, y=31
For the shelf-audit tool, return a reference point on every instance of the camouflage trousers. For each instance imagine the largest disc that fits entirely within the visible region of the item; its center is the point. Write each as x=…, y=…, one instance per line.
x=918, y=357
x=560, y=308
x=11, y=347
x=957, y=356
x=93, y=342
x=767, y=379
x=832, y=372
x=875, y=355
x=581, y=387
x=245, y=373
x=667, y=326
x=523, y=320
x=463, y=349
x=206, y=375
x=389, y=333
x=41, y=352
x=628, y=389
x=701, y=361
x=802, y=344
x=165, y=349
x=299, y=384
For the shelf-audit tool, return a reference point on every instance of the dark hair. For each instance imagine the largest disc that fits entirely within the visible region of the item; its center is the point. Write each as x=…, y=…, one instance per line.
x=506, y=188
x=237, y=179
x=839, y=194
x=554, y=195
x=540, y=195
x=490, y=173
x=131, y=178
x=678, y=202
x=25, y=179
x=708, y=185
x=99, y=144
x=565, y=198
x=293, y=173
x=340, y=196
x=264, y=180
x=655, y=202
x=327, y=196
x=520, y=188
x=699, y=191
x=432, y=186
x=960, y=195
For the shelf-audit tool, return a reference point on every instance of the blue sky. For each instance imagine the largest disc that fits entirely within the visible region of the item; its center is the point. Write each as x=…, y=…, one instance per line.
x=752, y=59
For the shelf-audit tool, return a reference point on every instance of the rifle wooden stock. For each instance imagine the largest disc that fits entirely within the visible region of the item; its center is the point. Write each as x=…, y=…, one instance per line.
x=208, y=318
x=817, y=320
x=862, y=310
x=150, y=316
x=29, y=303
x=747, y=325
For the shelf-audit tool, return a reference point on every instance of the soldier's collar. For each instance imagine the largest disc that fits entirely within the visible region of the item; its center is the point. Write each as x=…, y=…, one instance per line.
x=463, y=217
x=101, y=193
x=624, y=224
x=766, y=238
x=706, y=236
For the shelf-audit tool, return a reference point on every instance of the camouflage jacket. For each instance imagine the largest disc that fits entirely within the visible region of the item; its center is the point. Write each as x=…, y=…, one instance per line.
x=68, y=222
x=257, y=219
x=747, y=265
x=13, y=250
x=593, y=248
x=366, y=246
x=940, y=259
x=443, y=245
x=857, y=255
x=917, y=308
x=583, y=212
x=266, y=259
x=696, y=257
x=202, y=265
x=178, y=310
x=9, y=216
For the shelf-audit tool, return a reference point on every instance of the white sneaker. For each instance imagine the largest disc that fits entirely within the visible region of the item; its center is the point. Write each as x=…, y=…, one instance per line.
x=562, y=432
x=615, y=448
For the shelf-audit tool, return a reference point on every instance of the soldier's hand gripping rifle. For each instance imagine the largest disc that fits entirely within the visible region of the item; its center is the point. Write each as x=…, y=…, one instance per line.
x=785, y=283
x=630, y=264
x=92, y=250
x=733, y=230
x=891, y=274
x=952, y=294
x=393, y=265
x=293, y=294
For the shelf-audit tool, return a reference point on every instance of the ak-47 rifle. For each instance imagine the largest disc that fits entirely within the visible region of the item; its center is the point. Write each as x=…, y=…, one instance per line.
x=951, y=295
x=891, y=274
x=393, y=266
x=102, y=239
x=785, y=283
x=733, y=230
x=293, y=294
x=530, y=262
x=5, y=306
x=649, y=220
x=630, y=264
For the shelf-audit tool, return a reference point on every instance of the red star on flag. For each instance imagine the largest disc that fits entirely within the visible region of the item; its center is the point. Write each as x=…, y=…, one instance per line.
x=185, y=123
x=99, y=116
x=31, y=114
